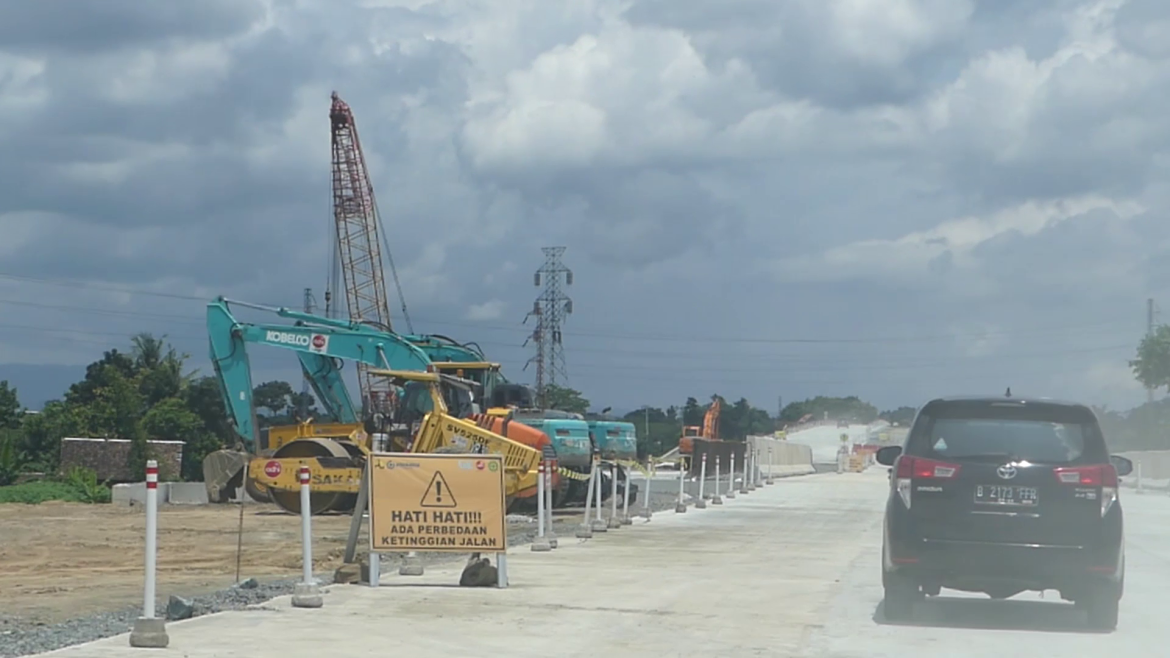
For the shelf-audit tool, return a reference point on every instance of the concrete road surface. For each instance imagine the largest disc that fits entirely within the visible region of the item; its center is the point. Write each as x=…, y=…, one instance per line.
x=787, y=570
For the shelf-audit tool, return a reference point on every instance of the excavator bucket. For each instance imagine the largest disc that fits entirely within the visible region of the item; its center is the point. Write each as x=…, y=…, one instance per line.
x=223, y=474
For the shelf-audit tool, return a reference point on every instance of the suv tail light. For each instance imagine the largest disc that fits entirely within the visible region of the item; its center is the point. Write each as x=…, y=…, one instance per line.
x=917, y=467
x=908, y=469
x=1099, y=475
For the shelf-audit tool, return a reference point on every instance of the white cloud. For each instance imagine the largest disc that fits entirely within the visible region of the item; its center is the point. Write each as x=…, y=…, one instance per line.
x=493, y=309
x=816, y=168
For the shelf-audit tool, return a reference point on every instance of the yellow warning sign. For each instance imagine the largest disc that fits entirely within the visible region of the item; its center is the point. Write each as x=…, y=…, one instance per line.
x=445, y=503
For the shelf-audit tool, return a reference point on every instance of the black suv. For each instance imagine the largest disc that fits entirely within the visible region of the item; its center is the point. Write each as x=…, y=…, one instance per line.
x=1002, y=495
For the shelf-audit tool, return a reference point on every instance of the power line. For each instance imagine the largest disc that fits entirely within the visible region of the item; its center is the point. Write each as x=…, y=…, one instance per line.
x=907, y=339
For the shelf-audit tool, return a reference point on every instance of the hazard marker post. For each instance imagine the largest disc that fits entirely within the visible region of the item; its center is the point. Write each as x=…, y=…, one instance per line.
x=585, y=530
x=614, y=522
x=306, y=594
x=150, y=632
x=626, y=520
x=681, y=506
x=768, y=479
x=731, y=479
x=743, y=484
x=716, y=499
x=598, y=524
x=442, y=503
x=540, y=544
x=754, y=479
x=648, y=513
x=700, y=502
x=550, y=468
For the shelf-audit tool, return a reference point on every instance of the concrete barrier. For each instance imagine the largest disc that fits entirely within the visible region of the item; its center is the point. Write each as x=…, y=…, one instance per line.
x=781, y=458
x=169, y=493
x=1153, y=467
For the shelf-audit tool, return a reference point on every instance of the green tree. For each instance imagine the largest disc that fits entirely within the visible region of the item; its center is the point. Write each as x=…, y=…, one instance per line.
x=116, y=408
x=98, y=374
x=848, y=408
x=900, y=416
x=692, y=412
x=173, y=420
x=41, y=433
x=275, y=397
x=1151, y=367
x=565, y=399
x=10, y=414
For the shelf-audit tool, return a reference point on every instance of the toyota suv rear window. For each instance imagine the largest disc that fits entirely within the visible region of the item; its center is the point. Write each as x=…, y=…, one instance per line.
x=1036, y=432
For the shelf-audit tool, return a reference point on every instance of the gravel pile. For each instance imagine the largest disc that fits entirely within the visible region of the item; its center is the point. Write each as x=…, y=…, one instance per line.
x=21, y=638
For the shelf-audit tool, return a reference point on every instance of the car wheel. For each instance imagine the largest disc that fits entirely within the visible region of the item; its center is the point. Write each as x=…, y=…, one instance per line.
x=900, y=597
x=1101, y=609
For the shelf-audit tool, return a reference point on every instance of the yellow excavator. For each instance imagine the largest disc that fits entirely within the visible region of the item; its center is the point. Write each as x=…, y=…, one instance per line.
x=336, y=451
x=422, y=425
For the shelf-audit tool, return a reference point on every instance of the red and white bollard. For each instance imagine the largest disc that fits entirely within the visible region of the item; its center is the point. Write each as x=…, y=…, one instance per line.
x=149, y=632
x=306, y=594
x=540, y=544
x=550, y=468
x=701, y=502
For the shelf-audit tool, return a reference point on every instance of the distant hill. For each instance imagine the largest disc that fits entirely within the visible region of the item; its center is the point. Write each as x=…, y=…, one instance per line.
x=37, y=384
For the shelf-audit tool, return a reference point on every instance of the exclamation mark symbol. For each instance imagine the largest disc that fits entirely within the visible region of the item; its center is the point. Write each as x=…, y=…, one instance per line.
x=438, y=491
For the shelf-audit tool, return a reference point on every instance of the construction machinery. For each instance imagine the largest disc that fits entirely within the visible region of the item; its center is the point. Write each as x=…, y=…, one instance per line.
x=421, y=424
x=709, y=431
x=616, y=440
x=336, y=446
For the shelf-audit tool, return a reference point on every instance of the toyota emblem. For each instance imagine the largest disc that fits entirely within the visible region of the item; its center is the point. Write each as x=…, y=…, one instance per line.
x=1007, y=471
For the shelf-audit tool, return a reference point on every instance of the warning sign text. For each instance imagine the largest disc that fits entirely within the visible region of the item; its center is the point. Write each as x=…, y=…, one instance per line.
x=451, y=503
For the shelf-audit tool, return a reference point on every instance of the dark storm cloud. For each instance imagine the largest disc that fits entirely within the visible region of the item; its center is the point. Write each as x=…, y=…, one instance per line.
x=170, y=142
x=87, y=26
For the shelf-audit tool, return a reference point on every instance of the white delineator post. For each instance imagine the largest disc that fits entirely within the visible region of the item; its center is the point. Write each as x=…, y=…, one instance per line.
x=614, y=522
x=599, y=524
x=731, y=479
x=716, y=499
x=700, y=502
x=585, y=530
x=149, y=632
x=647, y=513
x=681, y=506
x=540, y=544
x=768, y=478
x=755, y=469
x=306, y=594
x=550, y=468
x=744, y=484
x=626, y=520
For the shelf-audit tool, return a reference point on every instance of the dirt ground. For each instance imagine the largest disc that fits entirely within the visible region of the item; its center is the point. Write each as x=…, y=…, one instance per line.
x=62, y=561
x=67, y=560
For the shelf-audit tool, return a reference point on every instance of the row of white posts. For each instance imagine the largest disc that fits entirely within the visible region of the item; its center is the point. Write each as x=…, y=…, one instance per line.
x=149, y=631
x=752, y=478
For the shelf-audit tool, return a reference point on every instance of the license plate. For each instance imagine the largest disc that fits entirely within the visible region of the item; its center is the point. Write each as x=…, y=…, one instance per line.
x=1002, y=494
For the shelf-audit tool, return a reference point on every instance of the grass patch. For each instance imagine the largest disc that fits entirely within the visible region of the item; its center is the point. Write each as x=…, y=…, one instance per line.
x=79, y=486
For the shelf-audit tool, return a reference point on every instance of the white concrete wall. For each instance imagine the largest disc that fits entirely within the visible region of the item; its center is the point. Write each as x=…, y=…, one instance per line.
x=779, y=458
x=172, y=493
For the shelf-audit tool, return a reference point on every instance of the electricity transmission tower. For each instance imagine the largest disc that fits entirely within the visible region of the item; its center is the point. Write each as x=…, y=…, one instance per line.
x=550, y=310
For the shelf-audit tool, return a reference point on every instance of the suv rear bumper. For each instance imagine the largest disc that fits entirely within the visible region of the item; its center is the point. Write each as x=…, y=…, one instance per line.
x=978, y=566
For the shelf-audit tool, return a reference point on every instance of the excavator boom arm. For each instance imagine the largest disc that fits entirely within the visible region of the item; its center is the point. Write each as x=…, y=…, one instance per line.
x=318, y=348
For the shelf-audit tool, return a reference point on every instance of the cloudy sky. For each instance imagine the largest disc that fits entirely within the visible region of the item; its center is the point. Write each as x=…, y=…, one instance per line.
x=889, y=198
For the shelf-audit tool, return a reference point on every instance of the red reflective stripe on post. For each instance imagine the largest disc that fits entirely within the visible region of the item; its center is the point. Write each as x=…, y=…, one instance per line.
x=303, y=475
x=152, y=474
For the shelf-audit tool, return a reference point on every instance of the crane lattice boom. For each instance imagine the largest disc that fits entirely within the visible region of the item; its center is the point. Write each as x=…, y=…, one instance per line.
x=356, y=217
